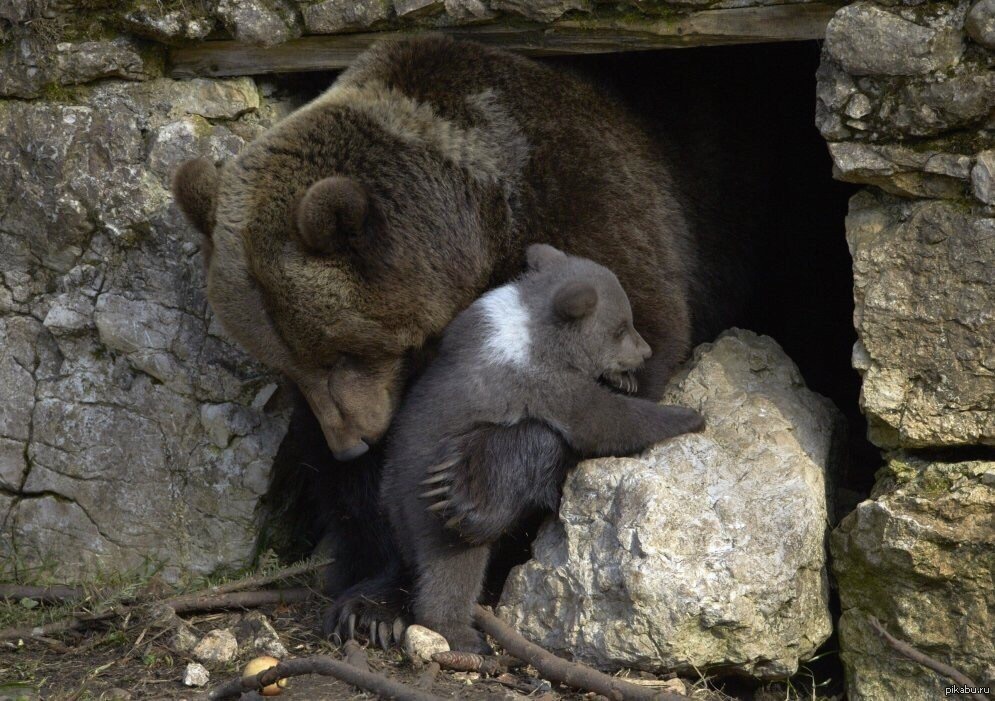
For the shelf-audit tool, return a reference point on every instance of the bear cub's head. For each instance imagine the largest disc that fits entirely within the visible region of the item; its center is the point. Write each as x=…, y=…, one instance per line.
x=580, y=317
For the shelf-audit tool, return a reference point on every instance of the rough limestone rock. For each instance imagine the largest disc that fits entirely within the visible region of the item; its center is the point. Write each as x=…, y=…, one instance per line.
x=867, y=39
x=31, y=66
x=705, y=551
x=541, y=10
x=196, y=675
x=131, y=429
x=262, y=22
x=255, y=632
x=418, y=8
x=938, y=169
x=217, y=647
x=919, y=556
x=173, y=26
x=879, y=108
x=980, y=23
x=983, y=177
x=924, y=294
x=333, y=16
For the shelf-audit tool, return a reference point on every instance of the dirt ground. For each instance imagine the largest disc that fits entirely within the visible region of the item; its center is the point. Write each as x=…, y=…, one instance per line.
x=132, y=659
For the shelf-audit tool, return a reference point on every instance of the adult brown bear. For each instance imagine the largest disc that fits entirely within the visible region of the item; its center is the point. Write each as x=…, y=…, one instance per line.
x=352, y=232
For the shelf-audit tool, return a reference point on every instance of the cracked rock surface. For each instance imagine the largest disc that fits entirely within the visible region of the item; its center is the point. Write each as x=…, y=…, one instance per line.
x=924, y=294
x=132, y=431
x=705, y=551
x=918, y=556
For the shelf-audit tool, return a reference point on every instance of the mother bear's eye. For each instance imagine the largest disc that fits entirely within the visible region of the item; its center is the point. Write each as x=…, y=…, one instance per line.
x=620, y=332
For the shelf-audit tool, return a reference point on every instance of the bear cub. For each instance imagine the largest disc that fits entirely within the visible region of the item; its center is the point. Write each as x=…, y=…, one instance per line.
x=516, y=397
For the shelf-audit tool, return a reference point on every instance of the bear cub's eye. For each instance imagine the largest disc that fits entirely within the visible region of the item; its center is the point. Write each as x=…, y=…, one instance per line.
x=621, y=332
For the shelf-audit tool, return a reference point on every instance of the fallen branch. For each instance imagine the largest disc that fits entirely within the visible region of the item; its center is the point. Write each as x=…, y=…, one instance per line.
x=908, y=651
x=228, y=595
x=49, y=595
x=572, y=674
x=457, y=661
x=324, y=666
x=63, y=625
x=238, y=600
x=264, y=579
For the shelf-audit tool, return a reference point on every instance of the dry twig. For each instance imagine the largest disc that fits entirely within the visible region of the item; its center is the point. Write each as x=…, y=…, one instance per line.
x=229, y=595
x=49, y=595
x=572, y=674
x=325, y=666
x=906, y=650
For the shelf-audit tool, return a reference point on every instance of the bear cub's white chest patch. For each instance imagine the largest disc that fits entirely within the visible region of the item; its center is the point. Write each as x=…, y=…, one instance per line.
x=508, y=341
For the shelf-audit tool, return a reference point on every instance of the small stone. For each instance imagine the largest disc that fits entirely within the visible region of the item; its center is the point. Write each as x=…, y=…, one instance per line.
x=980, y=23
x=218, y=646
x=116, y=694
x=867, y=39
x=255, y=632
x=196, y=675
x=858, y=106
x=333, y=16
x=420, y=643
x=983, y=177
x=185, y=638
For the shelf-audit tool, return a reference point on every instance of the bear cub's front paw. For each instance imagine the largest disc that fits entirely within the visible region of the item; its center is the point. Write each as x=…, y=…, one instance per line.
x=677, y=420
x=450, y=499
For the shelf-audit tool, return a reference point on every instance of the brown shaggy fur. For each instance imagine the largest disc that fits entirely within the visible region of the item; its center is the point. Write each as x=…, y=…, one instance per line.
x=466, y=154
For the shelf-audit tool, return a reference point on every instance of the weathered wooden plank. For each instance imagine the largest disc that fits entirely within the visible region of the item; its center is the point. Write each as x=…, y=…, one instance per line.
x=587, y=36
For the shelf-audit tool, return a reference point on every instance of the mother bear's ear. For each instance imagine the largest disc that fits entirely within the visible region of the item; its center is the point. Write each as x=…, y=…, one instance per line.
x=332, y=212
x=195, y=187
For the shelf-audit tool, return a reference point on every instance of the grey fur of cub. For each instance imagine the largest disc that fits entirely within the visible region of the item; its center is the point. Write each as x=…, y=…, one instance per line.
x=486, y=435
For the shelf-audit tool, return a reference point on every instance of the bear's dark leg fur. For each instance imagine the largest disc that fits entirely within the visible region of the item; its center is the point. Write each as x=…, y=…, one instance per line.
x=450, y=580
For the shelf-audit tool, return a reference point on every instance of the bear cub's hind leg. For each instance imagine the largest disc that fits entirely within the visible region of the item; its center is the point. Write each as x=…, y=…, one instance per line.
x=450, y=579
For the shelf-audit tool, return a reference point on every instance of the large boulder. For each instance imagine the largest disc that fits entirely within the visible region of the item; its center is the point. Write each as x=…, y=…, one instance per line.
x=707, y=551
x=131, y=430
x=924, y=294
x=919, y=556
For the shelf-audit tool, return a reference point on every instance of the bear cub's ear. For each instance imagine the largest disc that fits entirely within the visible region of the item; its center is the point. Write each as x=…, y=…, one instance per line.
x=574, y=300
x=331, y=212
x=195, y=187
x=541, y=255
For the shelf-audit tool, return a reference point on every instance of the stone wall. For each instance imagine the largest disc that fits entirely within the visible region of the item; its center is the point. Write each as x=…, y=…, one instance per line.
x=132, y=433
x=906, y=100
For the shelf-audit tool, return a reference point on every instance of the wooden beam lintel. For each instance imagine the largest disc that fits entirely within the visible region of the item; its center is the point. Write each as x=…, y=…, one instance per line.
x=791, y=22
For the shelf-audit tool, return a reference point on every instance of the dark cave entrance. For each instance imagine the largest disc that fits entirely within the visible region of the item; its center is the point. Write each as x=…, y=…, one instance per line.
x=756, y=104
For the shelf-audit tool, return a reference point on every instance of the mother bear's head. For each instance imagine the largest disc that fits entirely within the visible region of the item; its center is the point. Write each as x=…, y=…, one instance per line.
x=349, y=234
